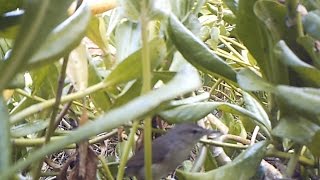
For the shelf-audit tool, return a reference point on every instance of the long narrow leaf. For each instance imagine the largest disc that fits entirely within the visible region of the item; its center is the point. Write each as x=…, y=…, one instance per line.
x=39, y=20
x=196, y=52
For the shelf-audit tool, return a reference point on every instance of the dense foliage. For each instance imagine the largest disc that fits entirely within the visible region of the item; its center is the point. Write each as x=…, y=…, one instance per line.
x=91, y=76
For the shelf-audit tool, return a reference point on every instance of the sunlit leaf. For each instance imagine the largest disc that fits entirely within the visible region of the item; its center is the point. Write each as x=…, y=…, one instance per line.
x=127, y=32
x=96, y=33
x=77, y=68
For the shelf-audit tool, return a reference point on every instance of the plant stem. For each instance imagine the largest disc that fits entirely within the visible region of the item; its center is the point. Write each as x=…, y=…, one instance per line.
x=294, y=158
x=294, y=16
x=303, y=160
x=126, y=150
x=146, y=87
x=222, y=144
x=39, y=99
x=200, y=160
x=24, y=142
x=105, y=167
x=54, y=113
x=215, y=85
x=47, y=104
x=5, y=145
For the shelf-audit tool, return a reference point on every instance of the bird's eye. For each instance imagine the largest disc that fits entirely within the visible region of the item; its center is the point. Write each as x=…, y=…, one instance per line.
x=194, y=131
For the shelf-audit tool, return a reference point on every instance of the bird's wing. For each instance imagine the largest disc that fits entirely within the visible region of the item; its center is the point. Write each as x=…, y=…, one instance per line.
x=136, y=161
x=160, y=149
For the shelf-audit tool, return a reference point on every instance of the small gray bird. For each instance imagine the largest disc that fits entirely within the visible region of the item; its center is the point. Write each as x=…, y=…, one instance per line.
x=168, y=151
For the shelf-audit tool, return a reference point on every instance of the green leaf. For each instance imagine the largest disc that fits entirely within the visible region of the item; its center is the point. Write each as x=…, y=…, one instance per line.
x=250, y=81
x=305, y=71
x=196, y=111
x=96, y=32
x=9, y=5
x=10, y=19
x=131, y=8
x=131, y=67
x=181, y=8
x=17, y=82
x=273, y=15
x=133, y=89
x=65, y=37
x=28, y=128
x=314, y=144
x=309, y=44
x=100, y=99
x=5, y=144
x=39, y=20
x=311, y=24
x=296, y=128
x=256, y=108
x=241, y=168
x=187, y=113
x=77, y=68
x=164, y=76
x=256, y=37
x=127, y=32
x=300, y=130
x=185, y=81
x=196, y=52
x=128, y=94
x=303, y=100
x=232, y=5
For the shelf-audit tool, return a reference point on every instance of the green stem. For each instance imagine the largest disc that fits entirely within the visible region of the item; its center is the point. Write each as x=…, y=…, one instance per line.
x=50, y=129
x=55, y=110
x=200, y=160
x=235, y=52
x=126, y=150
x=146, y=87
x=222, y=144
x=294, y=16
x=105, y=167
x=215, y=85
x=16, y=118
x=303, y=160
x=292, y=164
x=24, y=142
x=5, y=145
x=39, y=99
